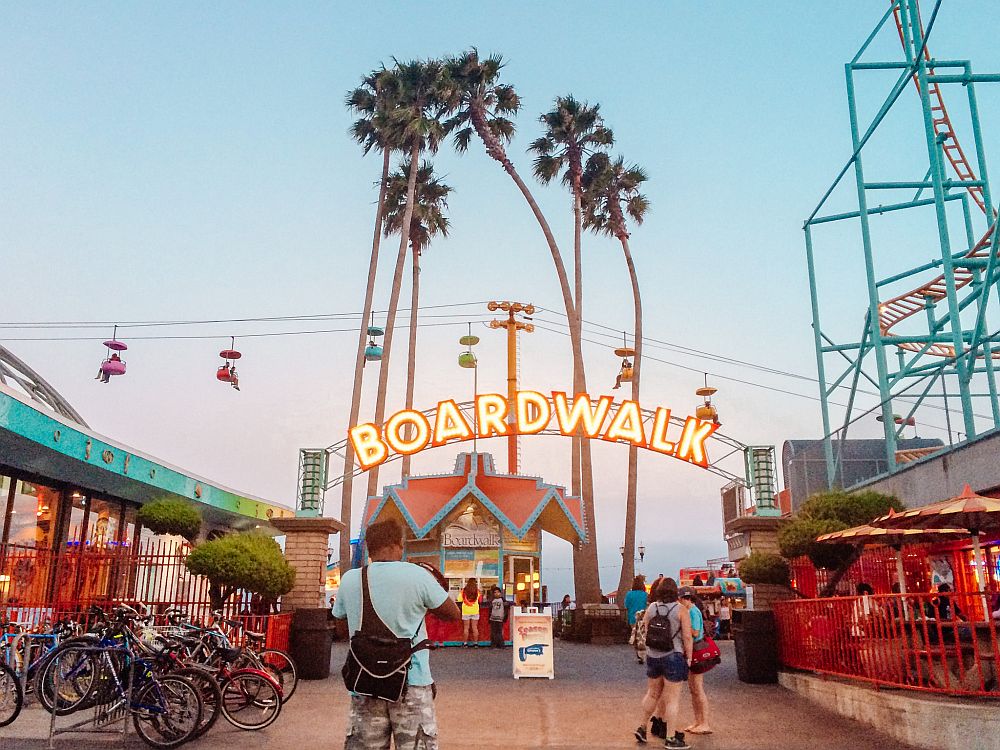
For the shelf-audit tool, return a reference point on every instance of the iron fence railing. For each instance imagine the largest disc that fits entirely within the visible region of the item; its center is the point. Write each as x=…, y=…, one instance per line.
x=942, y=643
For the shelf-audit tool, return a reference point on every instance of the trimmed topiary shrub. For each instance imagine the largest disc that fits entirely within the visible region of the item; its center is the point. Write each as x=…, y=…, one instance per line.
x=171, y=516
x=249, y=561
x=764, y=567
x=826, y=512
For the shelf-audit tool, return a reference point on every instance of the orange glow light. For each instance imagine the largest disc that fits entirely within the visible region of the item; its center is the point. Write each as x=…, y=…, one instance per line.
x=394, y=436
x=581, y=414
x=491, y=413
x=533, y=412
x=450, y=424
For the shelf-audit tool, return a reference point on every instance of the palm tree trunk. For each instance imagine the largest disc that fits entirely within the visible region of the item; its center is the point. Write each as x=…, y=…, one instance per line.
x=586, y=575
x=628, y=558
x=411, y=362
x=346, y=495
x=586, y=570
x=397, y=283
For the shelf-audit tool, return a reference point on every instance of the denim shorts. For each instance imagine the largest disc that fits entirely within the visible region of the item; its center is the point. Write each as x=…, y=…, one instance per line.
x=673, y=667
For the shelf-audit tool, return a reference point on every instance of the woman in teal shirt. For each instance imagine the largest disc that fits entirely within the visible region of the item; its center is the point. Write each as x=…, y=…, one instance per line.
x=696, y=682
x=635, y=602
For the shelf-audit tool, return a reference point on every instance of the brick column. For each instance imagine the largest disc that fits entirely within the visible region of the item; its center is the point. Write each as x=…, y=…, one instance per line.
x=306, y=543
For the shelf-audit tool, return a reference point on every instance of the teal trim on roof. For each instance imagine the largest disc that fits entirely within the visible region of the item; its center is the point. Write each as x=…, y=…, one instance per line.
x=49, y=445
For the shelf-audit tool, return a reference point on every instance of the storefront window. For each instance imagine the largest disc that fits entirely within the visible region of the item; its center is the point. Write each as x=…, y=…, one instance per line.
x=77, y=519
x=102, y=523
x=128, y=533
x=33, y=515
x=5, y=485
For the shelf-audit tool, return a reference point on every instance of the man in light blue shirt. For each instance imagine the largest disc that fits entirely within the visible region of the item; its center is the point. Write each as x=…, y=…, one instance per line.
x=401, y=594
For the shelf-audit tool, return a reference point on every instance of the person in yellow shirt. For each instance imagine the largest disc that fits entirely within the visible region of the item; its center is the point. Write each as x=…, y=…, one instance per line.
x=470, y=613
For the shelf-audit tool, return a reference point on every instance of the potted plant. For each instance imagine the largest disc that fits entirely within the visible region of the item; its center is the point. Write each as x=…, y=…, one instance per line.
x=770, y=576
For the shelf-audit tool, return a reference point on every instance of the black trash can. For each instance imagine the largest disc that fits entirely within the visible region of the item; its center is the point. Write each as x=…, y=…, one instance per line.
x=311, y=640
x=755, y=637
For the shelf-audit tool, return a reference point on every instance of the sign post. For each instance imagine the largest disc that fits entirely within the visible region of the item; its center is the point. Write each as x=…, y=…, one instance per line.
x=531, y=634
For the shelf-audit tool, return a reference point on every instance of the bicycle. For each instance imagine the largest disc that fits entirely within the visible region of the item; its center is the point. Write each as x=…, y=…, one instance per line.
x=11, y=696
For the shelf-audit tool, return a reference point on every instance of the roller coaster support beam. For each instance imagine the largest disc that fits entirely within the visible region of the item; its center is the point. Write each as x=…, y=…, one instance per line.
x=881, y=209
x=937, y=176
x=873, y=301
x=820, y=366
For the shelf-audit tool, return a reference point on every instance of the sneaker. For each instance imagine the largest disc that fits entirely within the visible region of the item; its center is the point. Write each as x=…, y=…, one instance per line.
x=677, y=742
x=640, y=734
x=659, y=728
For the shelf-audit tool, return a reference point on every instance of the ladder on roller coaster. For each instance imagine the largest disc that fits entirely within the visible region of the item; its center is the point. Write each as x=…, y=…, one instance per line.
x=898, y=309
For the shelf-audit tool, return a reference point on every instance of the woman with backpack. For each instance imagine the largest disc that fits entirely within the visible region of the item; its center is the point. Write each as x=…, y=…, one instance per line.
x=668, y=658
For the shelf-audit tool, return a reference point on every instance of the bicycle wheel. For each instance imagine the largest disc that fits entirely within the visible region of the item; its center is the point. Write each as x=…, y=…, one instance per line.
x=211, y=696
x=166, y=711
x=66, y=681
x=250, y=700
x=11, y=697
x=37, y=670
x=280, y=665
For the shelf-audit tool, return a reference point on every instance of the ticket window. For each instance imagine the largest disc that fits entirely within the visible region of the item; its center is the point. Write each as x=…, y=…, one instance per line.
x=525, y=578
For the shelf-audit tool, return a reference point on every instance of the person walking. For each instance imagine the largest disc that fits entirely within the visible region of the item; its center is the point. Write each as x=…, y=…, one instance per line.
x=498, y=613
x=635, y=603
x=470, y=613
x=696, y=681
x=401, y=595
x=669, y=647
x=725, y=618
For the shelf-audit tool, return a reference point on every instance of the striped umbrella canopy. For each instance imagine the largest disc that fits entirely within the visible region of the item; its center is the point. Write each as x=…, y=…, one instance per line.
x=866, y=534
x=969, y=511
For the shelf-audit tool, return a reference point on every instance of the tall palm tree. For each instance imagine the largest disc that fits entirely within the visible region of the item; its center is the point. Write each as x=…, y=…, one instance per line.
x=418, y=120
x=610, y=191
x=482, y=106
x=428, y=220
x=374, y=130
x=573, y=130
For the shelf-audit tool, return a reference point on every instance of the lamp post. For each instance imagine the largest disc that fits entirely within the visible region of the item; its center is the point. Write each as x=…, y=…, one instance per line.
x=640, y=558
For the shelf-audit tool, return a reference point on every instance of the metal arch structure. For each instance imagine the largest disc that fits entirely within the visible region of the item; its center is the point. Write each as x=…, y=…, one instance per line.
x=14, y=371
x=932, y=317
x=317, y=476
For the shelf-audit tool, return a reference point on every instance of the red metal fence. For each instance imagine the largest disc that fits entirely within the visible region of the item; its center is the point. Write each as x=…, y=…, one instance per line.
x=38, y=585
x=876, y=566
x=931, y=642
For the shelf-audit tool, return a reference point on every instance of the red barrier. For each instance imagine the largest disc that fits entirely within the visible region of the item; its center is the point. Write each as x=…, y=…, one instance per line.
x=450, y=632
x=942, y=643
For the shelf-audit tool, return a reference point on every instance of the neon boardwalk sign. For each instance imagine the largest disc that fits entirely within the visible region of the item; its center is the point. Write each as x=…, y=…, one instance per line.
x=407, y=432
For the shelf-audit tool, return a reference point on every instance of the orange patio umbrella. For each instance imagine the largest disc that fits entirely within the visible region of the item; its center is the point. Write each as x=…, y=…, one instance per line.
x=969, y=511
x=866, y=534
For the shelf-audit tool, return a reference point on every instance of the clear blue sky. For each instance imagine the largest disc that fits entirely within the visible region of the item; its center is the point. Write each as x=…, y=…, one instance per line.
x=191, y=161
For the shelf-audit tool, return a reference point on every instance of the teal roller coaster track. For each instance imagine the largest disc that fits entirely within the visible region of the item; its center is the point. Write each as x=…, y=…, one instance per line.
x=937, y=330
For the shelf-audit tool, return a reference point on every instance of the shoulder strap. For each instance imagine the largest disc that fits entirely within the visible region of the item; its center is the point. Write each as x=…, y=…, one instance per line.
x=371, y=623
x=376, y=626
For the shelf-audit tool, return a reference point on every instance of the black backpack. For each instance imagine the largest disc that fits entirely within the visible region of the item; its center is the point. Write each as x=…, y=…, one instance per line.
x=659, y=632
x=378, y=661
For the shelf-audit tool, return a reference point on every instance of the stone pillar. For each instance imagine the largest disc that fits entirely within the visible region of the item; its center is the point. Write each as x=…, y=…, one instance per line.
x=306, y=544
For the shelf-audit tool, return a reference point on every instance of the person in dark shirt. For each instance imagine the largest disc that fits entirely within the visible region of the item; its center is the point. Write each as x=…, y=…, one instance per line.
x=942, y=606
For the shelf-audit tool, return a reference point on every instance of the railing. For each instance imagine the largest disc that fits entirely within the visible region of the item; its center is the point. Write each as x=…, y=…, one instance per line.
x=941, y=643
x=39, y=586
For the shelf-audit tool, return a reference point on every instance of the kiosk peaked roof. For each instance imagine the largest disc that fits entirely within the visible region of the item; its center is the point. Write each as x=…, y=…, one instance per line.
x=517, y=502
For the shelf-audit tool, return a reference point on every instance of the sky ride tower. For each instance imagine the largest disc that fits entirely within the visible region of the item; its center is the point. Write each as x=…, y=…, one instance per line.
x=923, y=339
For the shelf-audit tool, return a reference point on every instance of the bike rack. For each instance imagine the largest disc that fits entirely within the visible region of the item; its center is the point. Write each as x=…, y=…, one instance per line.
x=102, y=716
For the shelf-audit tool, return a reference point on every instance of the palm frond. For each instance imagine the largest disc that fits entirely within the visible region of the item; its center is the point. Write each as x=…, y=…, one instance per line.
x=546, y=167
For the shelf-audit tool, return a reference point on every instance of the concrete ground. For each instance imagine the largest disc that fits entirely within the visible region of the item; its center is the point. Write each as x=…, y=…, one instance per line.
x=592, y=703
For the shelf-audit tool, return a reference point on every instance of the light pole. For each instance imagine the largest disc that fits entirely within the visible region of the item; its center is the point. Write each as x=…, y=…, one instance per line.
x=639, y=559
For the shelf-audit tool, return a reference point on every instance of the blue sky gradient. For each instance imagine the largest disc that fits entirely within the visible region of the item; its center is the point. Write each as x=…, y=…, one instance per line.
x=165, y=161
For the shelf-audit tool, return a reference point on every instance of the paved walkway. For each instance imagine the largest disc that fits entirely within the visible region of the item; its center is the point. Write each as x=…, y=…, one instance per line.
x=592, y=703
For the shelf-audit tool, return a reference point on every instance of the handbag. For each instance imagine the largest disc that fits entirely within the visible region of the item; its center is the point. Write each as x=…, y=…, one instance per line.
x=705, y=655
x=378, y=661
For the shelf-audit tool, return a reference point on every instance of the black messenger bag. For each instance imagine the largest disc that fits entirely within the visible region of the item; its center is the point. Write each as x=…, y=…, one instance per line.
x=377, y=661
